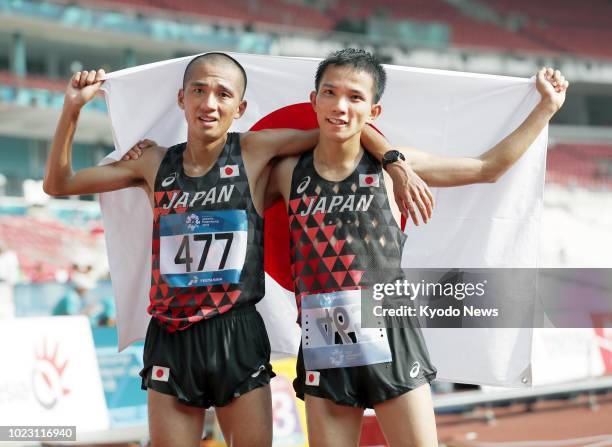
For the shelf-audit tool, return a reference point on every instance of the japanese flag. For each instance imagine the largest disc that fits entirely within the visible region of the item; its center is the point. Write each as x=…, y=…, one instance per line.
x=442, y=112
x=313, y=378
x=229, y=171
x=366, y=180
x=160, y=373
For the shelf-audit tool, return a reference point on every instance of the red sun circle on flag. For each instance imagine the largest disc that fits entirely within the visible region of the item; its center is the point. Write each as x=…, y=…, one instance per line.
x=159, y=373
x=369, y=180
x=277, y=262
x=311, y=377
x=228, y=171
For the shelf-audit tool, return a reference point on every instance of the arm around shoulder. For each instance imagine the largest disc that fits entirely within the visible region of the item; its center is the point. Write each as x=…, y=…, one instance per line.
x=280, y=142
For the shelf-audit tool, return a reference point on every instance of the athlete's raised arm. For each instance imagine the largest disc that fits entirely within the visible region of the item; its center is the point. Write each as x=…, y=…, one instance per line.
x=491, y=165
x=60, y=179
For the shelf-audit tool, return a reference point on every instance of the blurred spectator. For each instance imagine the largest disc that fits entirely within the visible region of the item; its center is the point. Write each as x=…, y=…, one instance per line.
x=38, y=273
x=73, y=302
x=9, y=276
x=78, y=301
x=81, y=266
x=9, y=265
x=106, y=314
x=3, y=182
x=33, y=193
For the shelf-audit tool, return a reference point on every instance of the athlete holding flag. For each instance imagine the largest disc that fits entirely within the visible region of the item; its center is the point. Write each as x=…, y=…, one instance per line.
x=206, y=344
x=345, y=236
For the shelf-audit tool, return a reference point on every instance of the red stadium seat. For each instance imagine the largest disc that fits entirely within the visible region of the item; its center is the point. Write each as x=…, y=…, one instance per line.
x=43, y=246
x=585, y=165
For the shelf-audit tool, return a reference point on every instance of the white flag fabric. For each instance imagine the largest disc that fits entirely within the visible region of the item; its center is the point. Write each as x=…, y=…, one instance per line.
x=443, y=112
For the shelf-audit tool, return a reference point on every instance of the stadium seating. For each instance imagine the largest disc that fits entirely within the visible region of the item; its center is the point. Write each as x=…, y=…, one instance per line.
x=465, y=31
x=575, y=39
x=44, y=246
x=468, y=33
x=509, y=25
x=595, y=14
x=585, y=29
x=32, y=81
x=582, y=165
x=245, y=11
x=38, y=91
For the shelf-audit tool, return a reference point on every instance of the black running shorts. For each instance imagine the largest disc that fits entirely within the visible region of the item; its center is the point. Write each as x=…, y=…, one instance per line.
x=211, y=362
x=366, y=386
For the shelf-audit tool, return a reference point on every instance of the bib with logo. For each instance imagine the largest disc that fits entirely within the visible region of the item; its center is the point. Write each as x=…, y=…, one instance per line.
x=343, y=235
x=332, y=336
x=207, y=251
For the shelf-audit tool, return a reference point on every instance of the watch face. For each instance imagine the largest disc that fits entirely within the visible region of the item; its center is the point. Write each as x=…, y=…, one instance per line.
x=391, y=156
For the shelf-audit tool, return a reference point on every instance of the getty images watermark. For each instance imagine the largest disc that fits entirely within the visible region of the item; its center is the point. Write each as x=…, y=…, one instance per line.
x=489, y=298
x=406, y=289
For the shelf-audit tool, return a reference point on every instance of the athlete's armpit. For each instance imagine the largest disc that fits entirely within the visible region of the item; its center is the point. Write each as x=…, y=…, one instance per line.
x=272, y=193
x=279, y=184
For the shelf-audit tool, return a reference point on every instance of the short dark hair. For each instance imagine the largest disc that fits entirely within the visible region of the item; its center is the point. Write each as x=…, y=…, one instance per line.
x=358, y=60
x=214, y=57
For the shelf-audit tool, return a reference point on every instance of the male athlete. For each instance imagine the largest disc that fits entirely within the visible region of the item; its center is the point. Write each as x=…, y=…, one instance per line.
x=345, y=236
x=206, y=345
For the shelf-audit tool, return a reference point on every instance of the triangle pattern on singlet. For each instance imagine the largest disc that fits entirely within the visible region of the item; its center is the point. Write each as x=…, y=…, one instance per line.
x=346, y=239
x=178, y=307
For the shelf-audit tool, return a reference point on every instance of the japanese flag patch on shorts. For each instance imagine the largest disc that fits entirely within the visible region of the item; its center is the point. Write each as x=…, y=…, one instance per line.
x=160, y=373
x=312, y=378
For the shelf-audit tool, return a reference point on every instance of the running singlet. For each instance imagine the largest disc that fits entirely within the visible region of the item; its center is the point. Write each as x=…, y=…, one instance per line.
x=207, y=253
x=343, y=239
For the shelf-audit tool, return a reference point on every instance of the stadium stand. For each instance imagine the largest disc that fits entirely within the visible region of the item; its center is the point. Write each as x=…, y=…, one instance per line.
x=563, y=25
x=32, y=81
x=276, y=12
x=563, y=12
x=511, y=26
x=584, y=165
x=44, y=246
x=574, y=39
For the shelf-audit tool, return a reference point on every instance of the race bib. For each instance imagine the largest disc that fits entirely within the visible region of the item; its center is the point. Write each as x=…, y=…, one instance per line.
x=202, y=248
x=332, y=336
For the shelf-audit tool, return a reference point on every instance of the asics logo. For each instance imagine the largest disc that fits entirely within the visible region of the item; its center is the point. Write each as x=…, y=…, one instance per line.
x=168, y=180
x=259, y=370
x=303, y=185
x=414, y=371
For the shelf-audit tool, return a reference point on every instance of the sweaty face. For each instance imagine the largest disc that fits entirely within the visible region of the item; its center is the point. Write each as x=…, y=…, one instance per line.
x=344, y=102
x=211, y=99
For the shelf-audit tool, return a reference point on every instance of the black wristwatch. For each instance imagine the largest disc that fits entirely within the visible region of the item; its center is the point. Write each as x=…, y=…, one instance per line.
x=392, y=157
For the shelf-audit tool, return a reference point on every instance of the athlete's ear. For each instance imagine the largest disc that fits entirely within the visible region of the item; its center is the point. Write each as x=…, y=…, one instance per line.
x=313, y=99
x=181, y=99
x=241, y=108
x=375, y=112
